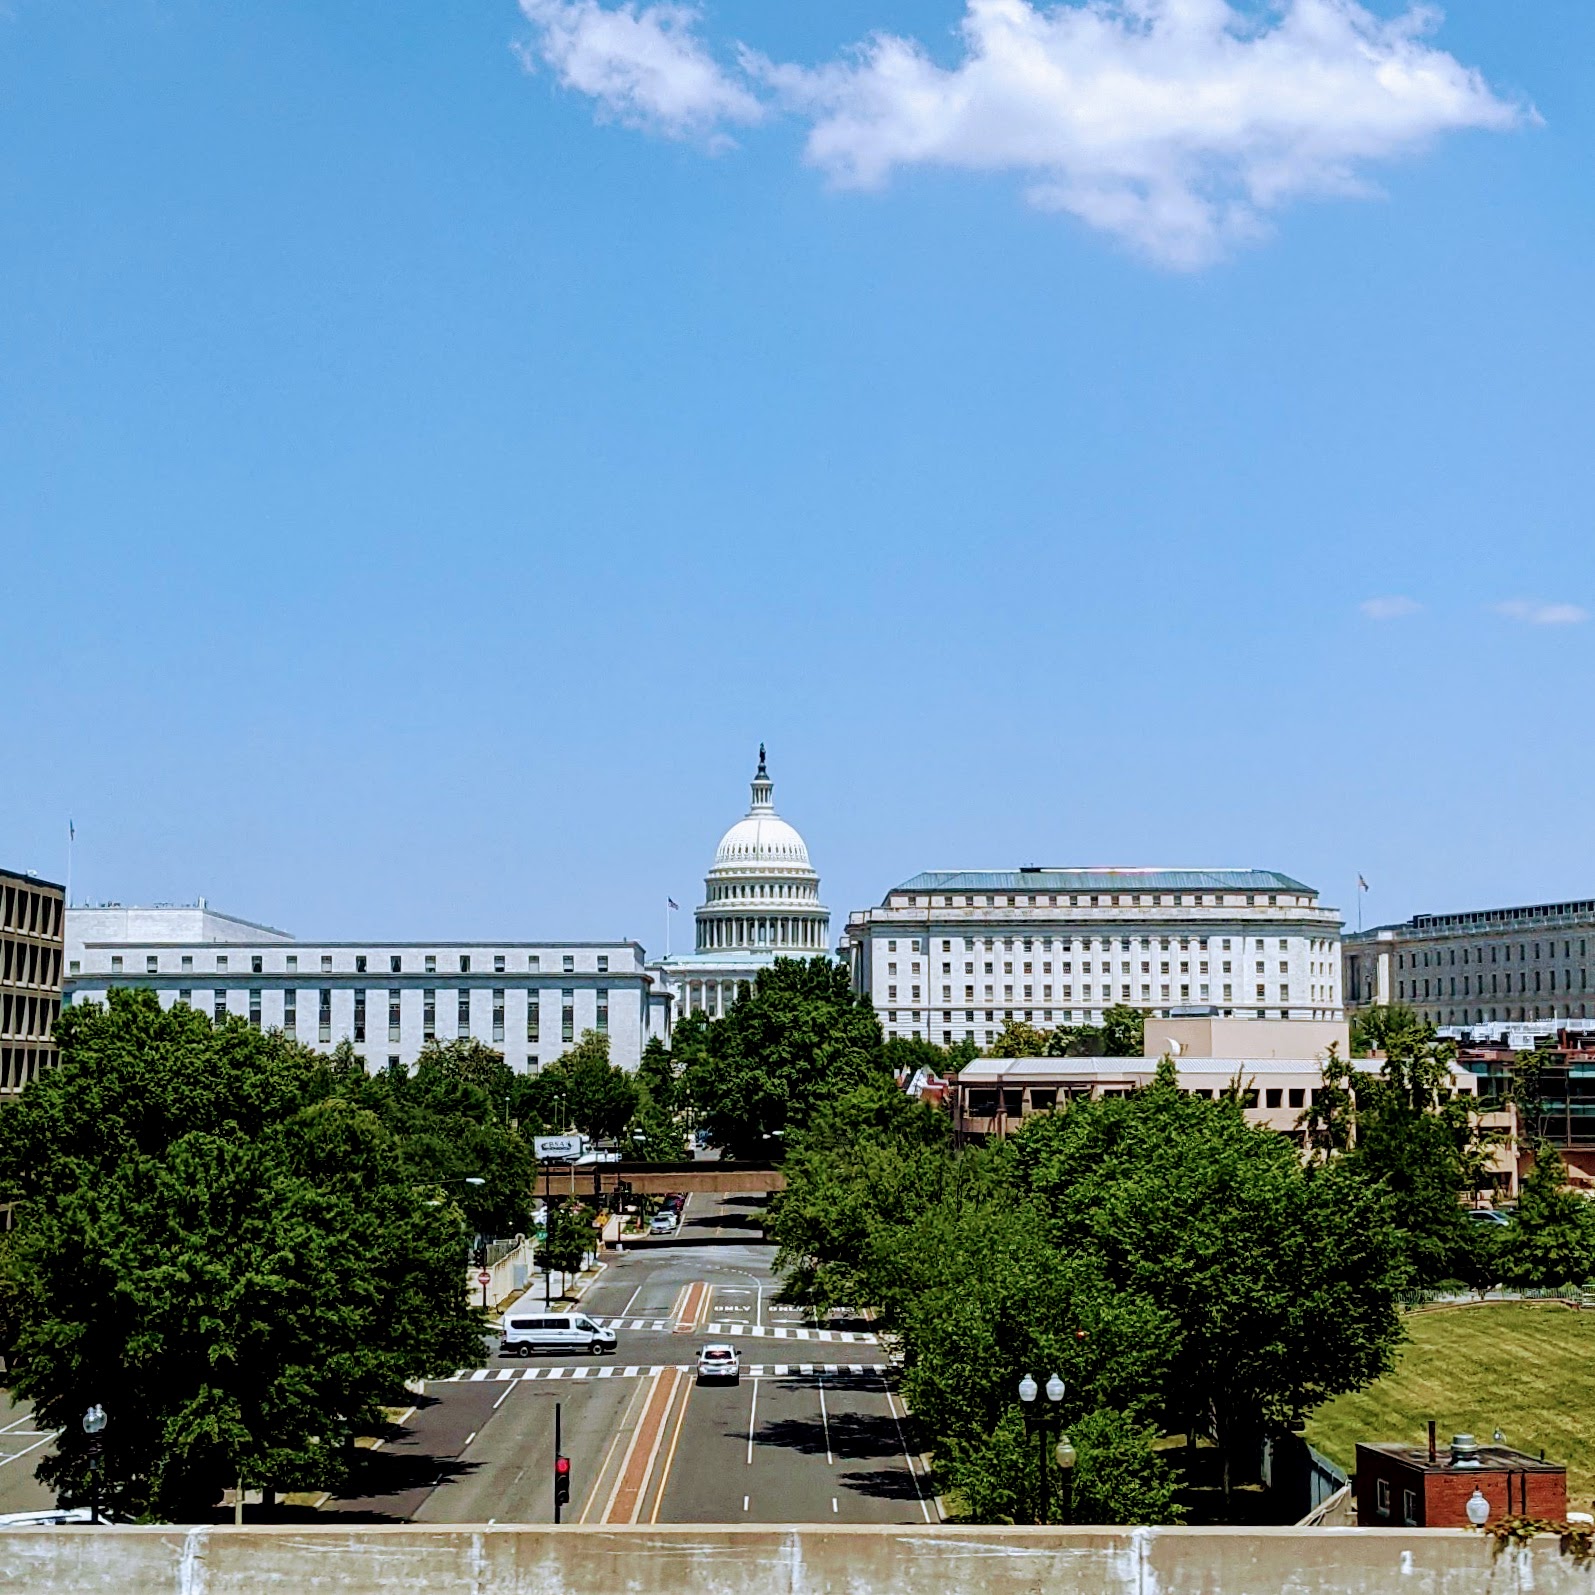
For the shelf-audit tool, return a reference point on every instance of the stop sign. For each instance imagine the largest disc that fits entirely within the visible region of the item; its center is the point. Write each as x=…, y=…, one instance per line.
x=484, y=1278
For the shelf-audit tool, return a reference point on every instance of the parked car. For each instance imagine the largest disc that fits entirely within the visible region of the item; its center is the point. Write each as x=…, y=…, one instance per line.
x=54, y=1517
x=662, y=1224
x=719, y=1361
x=522, y=1334
x=1489, y=1215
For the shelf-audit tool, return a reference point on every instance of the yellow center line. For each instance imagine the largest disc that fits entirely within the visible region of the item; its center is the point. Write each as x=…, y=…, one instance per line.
x=670, y=1455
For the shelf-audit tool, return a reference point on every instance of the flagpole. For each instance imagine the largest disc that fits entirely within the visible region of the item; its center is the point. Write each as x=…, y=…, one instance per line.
x=71, y=839
x=667, y=927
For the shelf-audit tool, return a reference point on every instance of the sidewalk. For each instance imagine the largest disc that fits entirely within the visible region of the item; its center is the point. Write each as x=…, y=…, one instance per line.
x=566, y=1297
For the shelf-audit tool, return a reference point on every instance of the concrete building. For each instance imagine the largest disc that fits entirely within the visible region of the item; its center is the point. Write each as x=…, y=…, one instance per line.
x=761, y=901
x=528, y=1000
x=1494, y=966
x=32, y=924
x=952, y=955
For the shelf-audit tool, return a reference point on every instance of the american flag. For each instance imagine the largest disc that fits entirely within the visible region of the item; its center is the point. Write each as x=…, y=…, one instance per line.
x=1362, y=883
x=670, y=902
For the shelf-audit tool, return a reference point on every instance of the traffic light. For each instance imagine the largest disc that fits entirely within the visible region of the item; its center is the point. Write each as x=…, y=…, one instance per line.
x=561, y=1481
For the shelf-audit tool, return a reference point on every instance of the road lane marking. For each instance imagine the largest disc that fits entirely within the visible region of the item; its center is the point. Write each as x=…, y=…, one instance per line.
x=825, y=1424
x=625, y=1504
x=753, y=1408
x=471, y=1436
x=692, y=1307
x=744, y=1503
x=505, y=1397
x=634, y=1295
x=833, y=1504
x=688, y=1386
x=891, y=1403
x=623, y=1432
x=17, y=1456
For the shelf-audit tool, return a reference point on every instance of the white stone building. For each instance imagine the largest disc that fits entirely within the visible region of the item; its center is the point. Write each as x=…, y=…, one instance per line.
x=761, y=901
x=951, y=955
x=528, y=1000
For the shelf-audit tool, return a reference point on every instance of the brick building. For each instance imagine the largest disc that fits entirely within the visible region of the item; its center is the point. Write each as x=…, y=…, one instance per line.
x=1422, y=1487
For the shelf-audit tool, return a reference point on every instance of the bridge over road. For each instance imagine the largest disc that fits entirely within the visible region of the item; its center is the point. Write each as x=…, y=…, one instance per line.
x=659, y=1179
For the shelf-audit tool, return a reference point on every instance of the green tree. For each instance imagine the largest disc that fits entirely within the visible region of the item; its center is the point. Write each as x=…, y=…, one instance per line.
x=656, y=1136
x=568, y=1238
x=797, y=1038
x=1016, y=1039
x=222, y=1248
x=1118, y=1477
x=1552, y=1238
x=595, y=1096
x=1373, y=1029
x=656, y=1075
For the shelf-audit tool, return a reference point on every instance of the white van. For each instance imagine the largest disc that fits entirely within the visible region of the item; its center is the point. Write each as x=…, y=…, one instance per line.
x=524, y=1333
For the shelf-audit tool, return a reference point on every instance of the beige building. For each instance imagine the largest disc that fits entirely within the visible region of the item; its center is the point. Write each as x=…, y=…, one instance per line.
x=1491, y=966
x=32, y=927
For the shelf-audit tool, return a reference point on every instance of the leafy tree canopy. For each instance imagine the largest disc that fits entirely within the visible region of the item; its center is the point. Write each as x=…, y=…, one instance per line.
x=797, y=1038
x=220, y=1245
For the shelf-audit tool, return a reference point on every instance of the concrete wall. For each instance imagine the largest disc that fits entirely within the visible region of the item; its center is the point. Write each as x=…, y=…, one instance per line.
x=773, y=1561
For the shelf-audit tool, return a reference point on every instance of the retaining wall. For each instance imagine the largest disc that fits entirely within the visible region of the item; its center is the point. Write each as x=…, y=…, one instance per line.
x=719, y=1560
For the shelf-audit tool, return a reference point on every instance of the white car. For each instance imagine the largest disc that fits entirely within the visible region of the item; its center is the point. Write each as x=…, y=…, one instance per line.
x=52, y=1517
x=719, y=1361
x=662, y=1224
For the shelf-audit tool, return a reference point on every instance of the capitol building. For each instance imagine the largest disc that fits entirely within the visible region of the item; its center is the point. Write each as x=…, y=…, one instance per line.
x=761, y=901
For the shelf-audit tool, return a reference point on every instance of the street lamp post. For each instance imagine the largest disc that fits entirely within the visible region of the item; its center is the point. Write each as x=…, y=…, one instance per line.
x=1038, y=1420
x=94, y=1421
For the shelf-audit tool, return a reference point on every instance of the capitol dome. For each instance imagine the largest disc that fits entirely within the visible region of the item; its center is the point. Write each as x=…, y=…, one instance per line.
x=762, y=894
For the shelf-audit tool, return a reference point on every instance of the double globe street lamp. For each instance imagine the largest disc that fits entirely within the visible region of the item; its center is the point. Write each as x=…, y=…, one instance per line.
x=94, y=1421
x=1039, y=1419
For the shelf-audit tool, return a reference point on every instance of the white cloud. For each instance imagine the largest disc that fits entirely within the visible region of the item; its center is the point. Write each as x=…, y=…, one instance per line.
x=1178, y=126
x=1536, y=614
x=642, y=64
x=1394, y=607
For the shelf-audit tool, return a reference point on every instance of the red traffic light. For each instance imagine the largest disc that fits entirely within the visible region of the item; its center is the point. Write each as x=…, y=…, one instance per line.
x=562, y=1466
x=561, y=1480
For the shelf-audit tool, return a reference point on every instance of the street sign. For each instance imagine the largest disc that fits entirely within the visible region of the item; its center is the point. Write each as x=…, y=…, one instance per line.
x=558, y=1148
x=484, y=1278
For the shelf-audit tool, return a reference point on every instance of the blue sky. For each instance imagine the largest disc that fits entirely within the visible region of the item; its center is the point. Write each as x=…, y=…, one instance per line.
x=425, y=477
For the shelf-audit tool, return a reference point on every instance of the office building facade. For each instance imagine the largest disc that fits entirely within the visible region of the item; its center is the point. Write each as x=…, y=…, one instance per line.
x=32, y=928
x=1496, y=966
x=530, y=1001
x=953, y=955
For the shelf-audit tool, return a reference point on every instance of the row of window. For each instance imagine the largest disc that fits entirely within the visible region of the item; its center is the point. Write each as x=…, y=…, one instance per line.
x=19, y=1065
x=986, y=1102
x=224, y=1002
x=1066, y=993
x=1469, y=989
x=1106, y=900
x=152, y=963
x=1065, y=944
x=1066, y=967
x=25, y=963
x=1411, y=960
x=30, y=912
x=1048, y=1016
x=25, y=1016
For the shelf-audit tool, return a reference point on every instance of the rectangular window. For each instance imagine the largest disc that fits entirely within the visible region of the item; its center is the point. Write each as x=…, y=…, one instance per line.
x=533, y=1017
x=254, y=1009
x=1409, y=1507
x=186, y=998
x=603, y=963
x=498, y=963
x=326, y=963
x=567, y=1015
x=290, y=1011
x=219, y=1007
x=185, y=962
x=1274, y=1097
x=534, y=961
x=429, y=1015
x=324, y=1016
x=395, y=964
x=360, y=1017
x=568, y=963
x=151, y=964
x=393, y=1016
x=293, y=962
x=465, y=963
x=431, y=964
x=359, y=963
x=256, y=964
x=498, y=1015
x=116, y=963
x=463, y=1015
x=603, y=1012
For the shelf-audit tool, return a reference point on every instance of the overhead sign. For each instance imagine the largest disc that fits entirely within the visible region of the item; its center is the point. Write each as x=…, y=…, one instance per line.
x=558, y=1148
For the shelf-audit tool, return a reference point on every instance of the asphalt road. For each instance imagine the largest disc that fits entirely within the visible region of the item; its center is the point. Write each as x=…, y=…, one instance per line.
x=22, y=1445
x=813, y=1432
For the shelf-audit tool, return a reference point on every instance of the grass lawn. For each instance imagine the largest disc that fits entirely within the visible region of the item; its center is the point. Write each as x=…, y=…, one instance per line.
x=1526, y=1368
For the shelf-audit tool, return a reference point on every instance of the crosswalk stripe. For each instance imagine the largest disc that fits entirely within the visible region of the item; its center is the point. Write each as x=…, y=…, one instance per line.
x=779, y=1370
